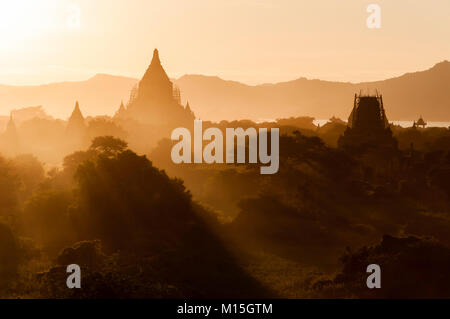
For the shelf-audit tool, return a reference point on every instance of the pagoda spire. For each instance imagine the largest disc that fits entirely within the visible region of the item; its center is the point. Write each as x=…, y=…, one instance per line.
x=189, y=111
x=155, y=72
x=9, y=141
x=121, y=111
x=76, y=113
x=11, y=127
x=76, y=120
x=155, y=58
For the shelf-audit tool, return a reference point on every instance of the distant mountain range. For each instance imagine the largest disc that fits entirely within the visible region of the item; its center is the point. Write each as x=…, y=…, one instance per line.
x=100, y=94
x=406, y=97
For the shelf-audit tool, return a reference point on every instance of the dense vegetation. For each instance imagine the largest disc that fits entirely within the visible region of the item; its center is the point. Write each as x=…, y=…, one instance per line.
x=308, y=231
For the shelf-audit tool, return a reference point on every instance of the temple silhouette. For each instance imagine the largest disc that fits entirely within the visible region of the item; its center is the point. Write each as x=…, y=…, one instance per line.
x=76, y=128
x=420, y=122
x=9, y=140
x=367, y=125
x=156, y=100
x=76, y=124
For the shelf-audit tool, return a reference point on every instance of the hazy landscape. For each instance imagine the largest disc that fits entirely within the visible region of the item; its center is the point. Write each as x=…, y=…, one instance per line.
x=413, y=94
x=162, y=186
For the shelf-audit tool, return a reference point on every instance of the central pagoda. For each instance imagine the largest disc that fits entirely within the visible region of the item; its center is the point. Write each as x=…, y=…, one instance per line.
x=155, y=101
x=368, y=125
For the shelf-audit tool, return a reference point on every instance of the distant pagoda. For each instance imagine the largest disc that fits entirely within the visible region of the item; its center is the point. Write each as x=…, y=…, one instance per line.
x=76, y=128
x=155, y=100
x=121, y=112
x=76, y=123
x=367, y=124
x=9, y=140
x=420, y=122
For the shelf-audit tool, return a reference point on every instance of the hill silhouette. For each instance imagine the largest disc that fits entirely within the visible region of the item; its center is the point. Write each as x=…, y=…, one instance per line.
x=408, y=96
x=100, y=94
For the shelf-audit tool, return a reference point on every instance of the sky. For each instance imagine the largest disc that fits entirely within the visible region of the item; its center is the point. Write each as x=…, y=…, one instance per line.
x=252, y=41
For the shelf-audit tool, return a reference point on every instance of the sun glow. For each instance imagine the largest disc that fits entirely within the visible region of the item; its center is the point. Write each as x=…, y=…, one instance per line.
x=22, y=20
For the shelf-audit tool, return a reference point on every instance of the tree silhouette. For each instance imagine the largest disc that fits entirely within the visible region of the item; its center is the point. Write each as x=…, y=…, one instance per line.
x=108, y=145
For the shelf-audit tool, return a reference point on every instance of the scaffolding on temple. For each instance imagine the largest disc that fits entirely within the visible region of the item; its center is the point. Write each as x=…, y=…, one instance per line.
x=176, y=94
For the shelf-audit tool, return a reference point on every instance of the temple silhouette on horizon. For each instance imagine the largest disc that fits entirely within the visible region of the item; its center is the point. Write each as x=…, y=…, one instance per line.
x=155, y=100
x=368, y=125
x=9, y=139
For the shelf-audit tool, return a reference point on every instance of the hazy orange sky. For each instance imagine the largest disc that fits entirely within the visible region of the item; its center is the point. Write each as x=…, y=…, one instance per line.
x=253, y=41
